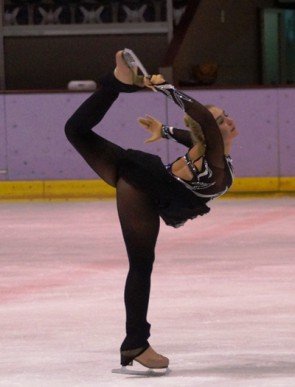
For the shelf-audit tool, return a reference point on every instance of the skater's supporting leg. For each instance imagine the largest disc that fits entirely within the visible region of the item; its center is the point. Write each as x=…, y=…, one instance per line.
x=140, y=227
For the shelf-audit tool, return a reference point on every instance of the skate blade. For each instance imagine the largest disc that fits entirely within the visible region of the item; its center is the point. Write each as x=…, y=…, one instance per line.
x=147, y=372
x=133, y=61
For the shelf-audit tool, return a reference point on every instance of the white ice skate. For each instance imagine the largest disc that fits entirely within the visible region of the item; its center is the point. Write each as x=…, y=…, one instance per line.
x=147, y=362
x=165, y=88
x=133, y=62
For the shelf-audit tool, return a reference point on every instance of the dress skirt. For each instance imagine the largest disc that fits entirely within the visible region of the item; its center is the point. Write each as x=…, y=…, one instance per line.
x=174, y=202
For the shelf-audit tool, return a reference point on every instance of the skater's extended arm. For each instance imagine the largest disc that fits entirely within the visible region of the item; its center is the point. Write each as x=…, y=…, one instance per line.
x=199, y=113
x=158, y=130
x=181, y=136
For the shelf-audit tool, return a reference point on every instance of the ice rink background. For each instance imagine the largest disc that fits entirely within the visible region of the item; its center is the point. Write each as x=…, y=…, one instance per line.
x=222, y=305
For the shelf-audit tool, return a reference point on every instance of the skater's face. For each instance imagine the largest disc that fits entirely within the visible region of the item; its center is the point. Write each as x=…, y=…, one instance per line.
x=225, y=122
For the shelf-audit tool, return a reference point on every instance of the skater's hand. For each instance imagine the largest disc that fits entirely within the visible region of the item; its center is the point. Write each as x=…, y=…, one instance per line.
x=153, y=125
x=153, y=80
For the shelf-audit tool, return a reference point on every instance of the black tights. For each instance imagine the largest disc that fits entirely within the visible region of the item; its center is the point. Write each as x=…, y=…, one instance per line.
x=138, y=217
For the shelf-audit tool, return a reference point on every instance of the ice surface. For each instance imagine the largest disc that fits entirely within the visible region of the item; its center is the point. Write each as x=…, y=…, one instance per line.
x=222, y=305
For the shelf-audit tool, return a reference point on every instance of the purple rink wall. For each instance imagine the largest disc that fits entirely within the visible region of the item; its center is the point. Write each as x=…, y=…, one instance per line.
x=33, y=145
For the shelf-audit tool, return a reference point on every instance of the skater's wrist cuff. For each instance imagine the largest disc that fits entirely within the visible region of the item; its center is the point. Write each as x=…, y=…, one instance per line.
x=167, y=132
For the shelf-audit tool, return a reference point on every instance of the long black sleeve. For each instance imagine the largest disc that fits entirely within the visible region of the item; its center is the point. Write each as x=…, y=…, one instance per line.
x=181, y=136
x=213, y=137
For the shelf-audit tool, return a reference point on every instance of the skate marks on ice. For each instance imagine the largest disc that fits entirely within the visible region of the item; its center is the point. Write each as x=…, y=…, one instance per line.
x=258, y=369
x=139, y=370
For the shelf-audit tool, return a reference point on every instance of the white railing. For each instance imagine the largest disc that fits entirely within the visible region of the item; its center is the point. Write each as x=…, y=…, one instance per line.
x=93, y=19
x=2, y=71
x=74, y=19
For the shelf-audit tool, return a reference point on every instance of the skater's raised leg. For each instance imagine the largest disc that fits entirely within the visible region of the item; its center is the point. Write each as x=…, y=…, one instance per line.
x=102, y=155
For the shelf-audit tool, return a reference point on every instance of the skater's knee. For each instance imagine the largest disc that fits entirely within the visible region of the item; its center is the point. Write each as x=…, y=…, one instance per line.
x=75, y=132
x=142, y=263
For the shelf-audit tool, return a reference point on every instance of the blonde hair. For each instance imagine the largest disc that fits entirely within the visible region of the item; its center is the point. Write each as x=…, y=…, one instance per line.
x=195, y=129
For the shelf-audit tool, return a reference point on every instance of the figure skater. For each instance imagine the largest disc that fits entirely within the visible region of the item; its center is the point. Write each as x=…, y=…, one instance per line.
x=146, y=189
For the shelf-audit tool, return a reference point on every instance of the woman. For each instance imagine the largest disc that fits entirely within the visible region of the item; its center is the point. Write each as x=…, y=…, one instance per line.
x=146, y=189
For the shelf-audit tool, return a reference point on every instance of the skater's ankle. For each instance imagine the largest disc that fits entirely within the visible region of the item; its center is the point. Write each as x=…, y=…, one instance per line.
x=125, y=74
x=114, y=85
x=122, y=72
